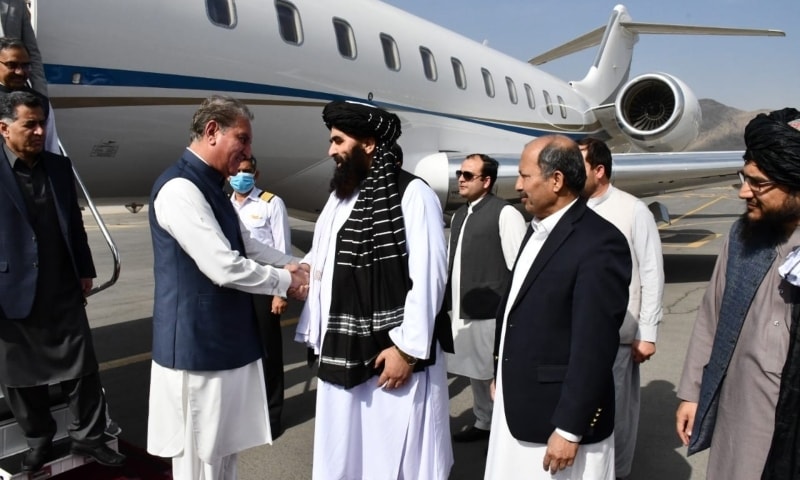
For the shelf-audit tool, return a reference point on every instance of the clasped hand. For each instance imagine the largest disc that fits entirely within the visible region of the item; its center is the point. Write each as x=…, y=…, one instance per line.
x=298, y=289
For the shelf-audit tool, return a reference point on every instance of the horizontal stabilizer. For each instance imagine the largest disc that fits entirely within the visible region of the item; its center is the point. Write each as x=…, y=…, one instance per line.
x=581, y=43
x=595, y=36
x=665, y=28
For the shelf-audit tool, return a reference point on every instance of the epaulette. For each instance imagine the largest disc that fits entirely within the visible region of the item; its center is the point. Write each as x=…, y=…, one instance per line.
x=266, y=196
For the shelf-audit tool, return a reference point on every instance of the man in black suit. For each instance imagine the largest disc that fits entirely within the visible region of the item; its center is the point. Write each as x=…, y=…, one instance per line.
x=46, y=271
x=558, y=328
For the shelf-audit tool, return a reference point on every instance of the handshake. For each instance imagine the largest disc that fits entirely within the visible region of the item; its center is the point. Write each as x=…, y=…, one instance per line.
x=298, y=289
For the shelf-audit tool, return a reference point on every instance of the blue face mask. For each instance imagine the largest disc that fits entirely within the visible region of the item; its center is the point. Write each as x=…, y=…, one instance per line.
x=243, y=182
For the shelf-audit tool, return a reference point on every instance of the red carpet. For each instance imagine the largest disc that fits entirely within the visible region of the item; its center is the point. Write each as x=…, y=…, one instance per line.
x=139, y=466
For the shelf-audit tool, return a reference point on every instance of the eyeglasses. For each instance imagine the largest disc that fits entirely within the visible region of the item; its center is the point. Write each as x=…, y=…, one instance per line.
x=757, y=186
x=13, y=66
x=468, y=176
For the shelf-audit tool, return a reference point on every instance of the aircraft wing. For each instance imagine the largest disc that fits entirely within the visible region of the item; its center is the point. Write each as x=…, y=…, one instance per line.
x=647, y=174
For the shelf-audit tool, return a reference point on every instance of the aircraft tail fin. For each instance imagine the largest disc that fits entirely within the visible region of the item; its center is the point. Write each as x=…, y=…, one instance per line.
x=611, y=67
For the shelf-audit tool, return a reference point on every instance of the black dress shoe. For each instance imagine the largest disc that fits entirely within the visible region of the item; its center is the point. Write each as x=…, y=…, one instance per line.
x=100, y=453
x=35, y=458
x=471, y=434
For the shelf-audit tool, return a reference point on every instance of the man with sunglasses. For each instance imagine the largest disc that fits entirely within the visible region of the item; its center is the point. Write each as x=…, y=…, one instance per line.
x=15, y=69
x=485, y=236
x=15, y=22
x=733, y=370
x=265, y=217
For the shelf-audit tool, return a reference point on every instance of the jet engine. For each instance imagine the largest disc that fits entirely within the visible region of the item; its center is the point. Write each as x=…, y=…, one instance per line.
x=658, y=113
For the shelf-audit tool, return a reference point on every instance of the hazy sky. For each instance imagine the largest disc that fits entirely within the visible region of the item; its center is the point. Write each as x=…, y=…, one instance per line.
x=743, y=72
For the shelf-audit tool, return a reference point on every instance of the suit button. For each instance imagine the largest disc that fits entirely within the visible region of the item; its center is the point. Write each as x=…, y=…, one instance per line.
x=35, y=264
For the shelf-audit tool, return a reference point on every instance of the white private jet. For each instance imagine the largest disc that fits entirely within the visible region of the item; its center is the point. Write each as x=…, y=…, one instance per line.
x=126, y=76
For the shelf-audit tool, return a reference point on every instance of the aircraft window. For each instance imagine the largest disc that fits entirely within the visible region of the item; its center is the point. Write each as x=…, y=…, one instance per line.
x=289, y=25
x=562, y=106
x=529, y=94
x=512, y=90
x=488, y=82
x=428, y=64
x=345, y=39
x=390, y=53
x=548, y=101
x=458, y=72
x=221, y=12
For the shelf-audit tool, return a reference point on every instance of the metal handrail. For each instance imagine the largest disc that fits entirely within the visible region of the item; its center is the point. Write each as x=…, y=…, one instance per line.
x=103, y=229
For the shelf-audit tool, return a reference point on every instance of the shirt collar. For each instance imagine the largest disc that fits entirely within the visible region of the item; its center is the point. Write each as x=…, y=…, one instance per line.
x=548, y=224
x=252, y=196
x=473, y=204
x=208, y=170
x=13, y=158
x=595, y=201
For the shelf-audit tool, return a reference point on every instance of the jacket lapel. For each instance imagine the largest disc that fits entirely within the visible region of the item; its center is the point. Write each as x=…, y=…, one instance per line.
x=557, y=237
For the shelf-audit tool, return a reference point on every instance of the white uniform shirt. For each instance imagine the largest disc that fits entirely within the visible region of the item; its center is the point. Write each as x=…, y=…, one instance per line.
x=267, y=221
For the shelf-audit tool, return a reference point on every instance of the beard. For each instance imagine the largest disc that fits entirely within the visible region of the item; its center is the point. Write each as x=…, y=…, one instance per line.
x=774, y=227
x=349, y=172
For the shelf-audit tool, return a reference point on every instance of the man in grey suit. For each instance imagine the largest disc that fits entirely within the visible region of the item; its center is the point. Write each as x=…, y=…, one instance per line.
x=15, y=20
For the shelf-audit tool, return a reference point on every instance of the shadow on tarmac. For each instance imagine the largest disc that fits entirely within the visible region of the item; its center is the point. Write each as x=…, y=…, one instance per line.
x=684, y=268
x=657, y=448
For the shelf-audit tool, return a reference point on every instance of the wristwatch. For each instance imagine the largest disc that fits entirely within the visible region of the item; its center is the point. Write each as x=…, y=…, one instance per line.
x=408, y=358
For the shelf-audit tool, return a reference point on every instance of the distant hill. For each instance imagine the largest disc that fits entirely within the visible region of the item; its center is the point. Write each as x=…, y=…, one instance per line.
x=722, y=127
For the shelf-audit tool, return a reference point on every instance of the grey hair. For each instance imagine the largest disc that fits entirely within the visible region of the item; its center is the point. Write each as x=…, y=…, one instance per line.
x=224, y=110
x=565, y=157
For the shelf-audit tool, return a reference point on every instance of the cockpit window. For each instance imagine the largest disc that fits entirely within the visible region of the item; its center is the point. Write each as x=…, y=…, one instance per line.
x=289, y=25
x=221, y=12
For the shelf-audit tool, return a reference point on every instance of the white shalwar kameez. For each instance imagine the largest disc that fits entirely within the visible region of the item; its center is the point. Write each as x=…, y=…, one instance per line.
x=202, y=419
x=512, y=459
x=366, y=432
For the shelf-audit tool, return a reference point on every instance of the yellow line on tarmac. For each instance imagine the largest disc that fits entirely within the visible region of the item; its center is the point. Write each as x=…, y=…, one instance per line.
x=692, y=212
x=289, y=321
x=124, y=362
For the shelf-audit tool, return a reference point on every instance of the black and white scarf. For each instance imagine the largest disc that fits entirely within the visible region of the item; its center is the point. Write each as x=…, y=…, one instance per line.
x=370, y=275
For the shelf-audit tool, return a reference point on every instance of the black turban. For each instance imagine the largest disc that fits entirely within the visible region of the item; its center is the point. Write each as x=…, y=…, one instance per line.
x=773, y=143
x=362, y=120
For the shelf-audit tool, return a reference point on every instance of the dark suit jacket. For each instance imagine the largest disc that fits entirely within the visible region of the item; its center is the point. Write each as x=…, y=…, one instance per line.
x=562, y=332
x=18, y=242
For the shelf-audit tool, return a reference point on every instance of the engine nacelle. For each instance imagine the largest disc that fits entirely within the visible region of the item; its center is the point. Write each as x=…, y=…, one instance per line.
x=658, y=113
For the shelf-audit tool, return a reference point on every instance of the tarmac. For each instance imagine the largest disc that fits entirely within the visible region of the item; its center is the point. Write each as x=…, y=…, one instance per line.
x=121, y=322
